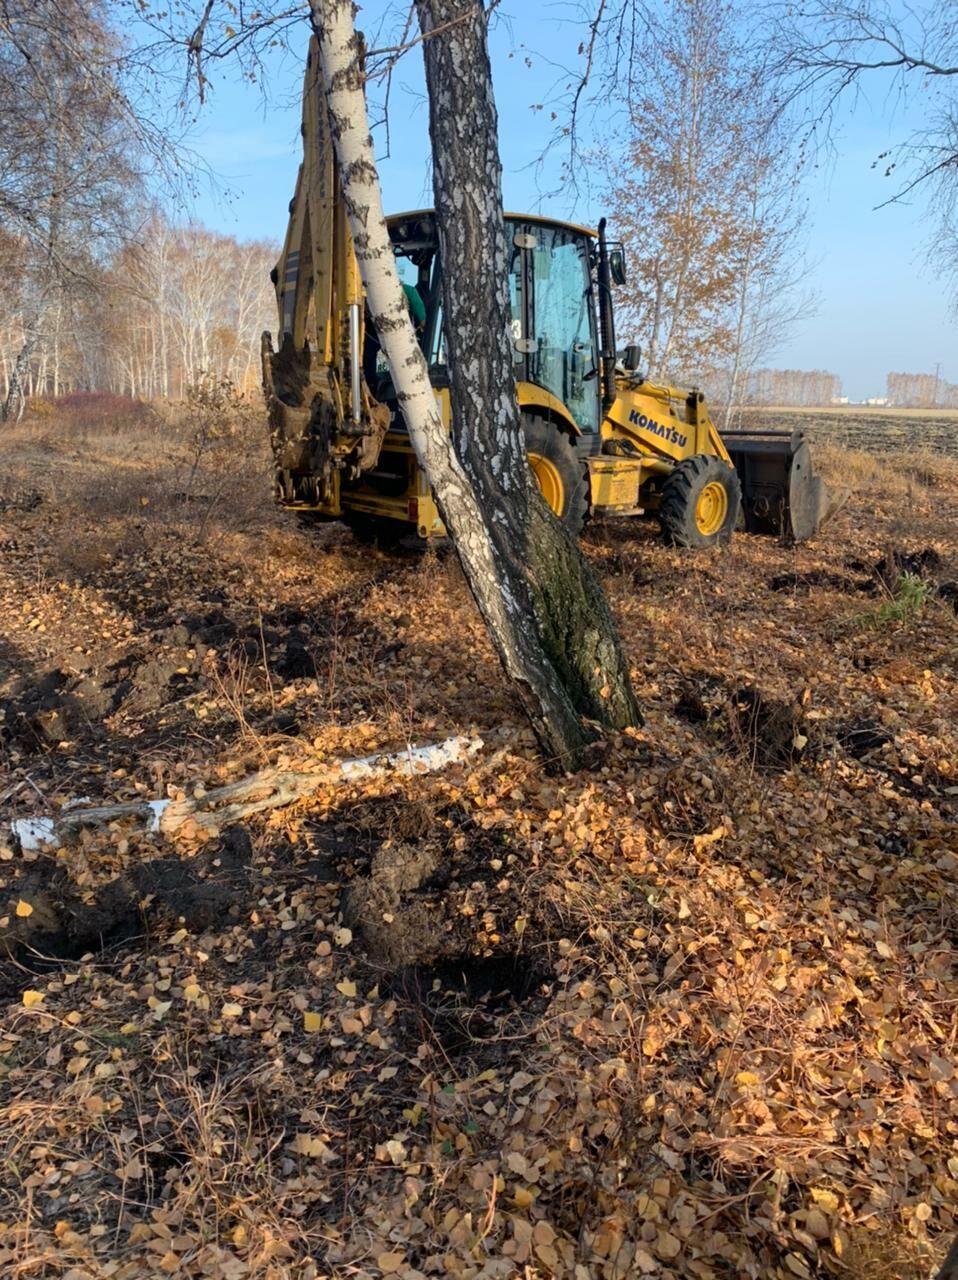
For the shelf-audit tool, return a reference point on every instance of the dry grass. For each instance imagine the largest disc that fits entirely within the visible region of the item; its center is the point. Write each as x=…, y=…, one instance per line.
x=885, y=475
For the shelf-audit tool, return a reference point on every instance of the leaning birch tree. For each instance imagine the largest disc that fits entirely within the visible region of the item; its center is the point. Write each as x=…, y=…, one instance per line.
x=544, y=608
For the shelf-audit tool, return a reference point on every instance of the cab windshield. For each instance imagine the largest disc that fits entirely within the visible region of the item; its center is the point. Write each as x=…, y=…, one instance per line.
x=561, y=321
x=552, y=315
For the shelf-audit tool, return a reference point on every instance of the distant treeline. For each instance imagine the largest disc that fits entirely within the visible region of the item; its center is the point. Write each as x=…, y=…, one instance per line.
x=149, y=320
x=800, y=387
x=921, y=391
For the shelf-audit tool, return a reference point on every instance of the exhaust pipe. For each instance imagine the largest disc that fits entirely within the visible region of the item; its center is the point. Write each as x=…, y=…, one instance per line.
x=606, y=322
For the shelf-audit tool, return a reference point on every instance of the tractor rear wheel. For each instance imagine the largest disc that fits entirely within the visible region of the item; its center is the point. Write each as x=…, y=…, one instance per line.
x=372, y=531
x=558, y=472
x=700, y=502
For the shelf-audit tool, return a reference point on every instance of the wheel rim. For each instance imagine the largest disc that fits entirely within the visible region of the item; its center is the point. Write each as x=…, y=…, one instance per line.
x=549, y=481
x=711, y=508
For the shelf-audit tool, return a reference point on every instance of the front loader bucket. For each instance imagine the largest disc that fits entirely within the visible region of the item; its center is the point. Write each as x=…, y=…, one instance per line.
x=781, y=494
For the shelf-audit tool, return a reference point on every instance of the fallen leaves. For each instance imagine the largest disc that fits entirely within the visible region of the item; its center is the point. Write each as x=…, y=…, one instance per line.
x=676, y=1016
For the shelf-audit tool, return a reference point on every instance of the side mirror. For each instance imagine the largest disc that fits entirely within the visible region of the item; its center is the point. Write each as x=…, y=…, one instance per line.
x=632, y=357
x=617, y=265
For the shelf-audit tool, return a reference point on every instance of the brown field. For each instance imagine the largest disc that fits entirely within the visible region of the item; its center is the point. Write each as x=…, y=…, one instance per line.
x=690, y=1014
x=877, y=430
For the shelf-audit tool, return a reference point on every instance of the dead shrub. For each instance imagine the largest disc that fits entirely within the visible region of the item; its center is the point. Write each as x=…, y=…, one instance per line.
x=38, y=407
x=92, y=413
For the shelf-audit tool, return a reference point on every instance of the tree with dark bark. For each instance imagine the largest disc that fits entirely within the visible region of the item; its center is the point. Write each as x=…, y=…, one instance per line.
x=544, y=608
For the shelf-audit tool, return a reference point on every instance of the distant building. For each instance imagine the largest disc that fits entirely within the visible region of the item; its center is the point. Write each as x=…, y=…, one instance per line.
x=877, y=402
x=839, y=400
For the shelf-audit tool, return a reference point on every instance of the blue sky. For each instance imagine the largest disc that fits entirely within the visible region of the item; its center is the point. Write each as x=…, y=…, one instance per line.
x=880, y=307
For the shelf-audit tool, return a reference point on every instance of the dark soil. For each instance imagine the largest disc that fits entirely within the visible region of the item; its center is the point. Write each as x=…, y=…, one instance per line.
x=63, y=926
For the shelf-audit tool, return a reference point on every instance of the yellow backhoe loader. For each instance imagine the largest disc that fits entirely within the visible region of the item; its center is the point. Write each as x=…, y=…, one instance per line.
x=602, y=440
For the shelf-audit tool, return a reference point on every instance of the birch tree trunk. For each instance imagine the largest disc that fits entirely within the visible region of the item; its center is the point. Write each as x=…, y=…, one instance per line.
x=16, y=399
x=742, y=302
x=543, y=606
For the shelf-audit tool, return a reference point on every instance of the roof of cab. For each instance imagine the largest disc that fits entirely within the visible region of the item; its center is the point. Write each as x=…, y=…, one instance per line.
x=516, y=217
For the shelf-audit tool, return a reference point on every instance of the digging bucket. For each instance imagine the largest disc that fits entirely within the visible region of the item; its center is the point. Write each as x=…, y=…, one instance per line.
x=781, y=493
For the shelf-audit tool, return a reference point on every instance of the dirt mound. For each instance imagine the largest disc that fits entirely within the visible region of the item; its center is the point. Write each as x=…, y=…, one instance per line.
x=768, y=731
x=65, y=924
x=895, y=563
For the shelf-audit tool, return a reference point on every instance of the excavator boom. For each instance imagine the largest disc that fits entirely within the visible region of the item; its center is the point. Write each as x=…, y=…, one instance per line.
x=324, y=424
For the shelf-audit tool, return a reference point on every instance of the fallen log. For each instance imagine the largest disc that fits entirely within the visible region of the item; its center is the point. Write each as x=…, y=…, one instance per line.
x=209, y=812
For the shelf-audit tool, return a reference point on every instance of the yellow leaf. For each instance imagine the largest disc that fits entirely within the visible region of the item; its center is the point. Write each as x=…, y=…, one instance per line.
x=523, y=1197
x=239, y=1236
x=306, y=1145
x=131, y=1171
x=826, y=1200
x=390, y=1262
x=232, y=1010
x=30, y=998
x=312, y=1021
x=24, y=908
x=667, y=1245
x=548, y=1257
x=191, y=991
x=393, y=1150
x=346, y=988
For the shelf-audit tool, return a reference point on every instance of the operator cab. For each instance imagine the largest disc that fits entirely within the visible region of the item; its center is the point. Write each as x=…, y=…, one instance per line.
x=553, y=315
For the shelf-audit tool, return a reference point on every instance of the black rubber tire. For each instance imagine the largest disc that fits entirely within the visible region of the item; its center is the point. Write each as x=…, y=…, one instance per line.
x=548, y=441
x=680, y=494
x=372, y=531
x=309, y=521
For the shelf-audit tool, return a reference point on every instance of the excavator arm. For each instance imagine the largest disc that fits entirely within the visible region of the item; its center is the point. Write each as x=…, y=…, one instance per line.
x=325, y=425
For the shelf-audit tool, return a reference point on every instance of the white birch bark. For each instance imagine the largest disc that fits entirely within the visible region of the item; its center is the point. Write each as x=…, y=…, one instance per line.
x=529, y=580
x=339, y=49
